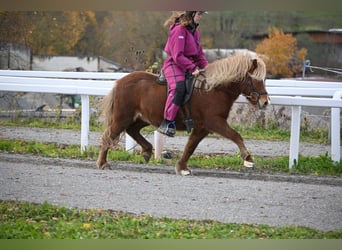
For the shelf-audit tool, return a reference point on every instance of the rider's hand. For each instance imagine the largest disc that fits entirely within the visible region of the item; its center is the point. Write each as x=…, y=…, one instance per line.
x=196, y=72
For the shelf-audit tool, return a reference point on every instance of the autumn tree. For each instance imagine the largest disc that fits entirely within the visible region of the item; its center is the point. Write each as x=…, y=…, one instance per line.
x=133, y=38
x=15, y=27
x=58, y=32
x=282, y=57
x=45, y=32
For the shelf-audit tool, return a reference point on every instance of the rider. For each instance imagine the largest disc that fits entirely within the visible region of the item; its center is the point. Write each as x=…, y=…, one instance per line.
x=185, y=55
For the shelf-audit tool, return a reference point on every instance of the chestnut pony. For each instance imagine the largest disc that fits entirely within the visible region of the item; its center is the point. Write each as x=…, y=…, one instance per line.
x=137, y=100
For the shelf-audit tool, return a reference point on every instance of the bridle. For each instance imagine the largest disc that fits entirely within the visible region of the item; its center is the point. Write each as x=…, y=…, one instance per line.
x=253, y=91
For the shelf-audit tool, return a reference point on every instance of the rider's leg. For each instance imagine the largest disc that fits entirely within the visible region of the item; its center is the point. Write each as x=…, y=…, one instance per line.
x=174, y=100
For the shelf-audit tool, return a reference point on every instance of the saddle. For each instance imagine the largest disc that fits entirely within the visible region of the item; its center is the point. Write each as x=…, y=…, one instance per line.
x=186, y=106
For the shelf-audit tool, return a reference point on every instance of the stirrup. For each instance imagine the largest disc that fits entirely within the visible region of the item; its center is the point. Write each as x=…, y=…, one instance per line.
x=168, y=128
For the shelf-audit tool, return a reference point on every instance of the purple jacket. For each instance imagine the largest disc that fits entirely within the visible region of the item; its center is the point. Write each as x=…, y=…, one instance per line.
x=184, y=51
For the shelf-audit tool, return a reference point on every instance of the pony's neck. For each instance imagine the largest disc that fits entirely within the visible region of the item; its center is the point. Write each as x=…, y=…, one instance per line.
x=226, y=71
x=233, y=89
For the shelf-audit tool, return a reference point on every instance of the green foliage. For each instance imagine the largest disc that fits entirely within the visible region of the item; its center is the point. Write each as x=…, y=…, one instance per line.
x=22, y=220
x=155, y=67
x=318, y=165
x=271, y=132
x=257, y=132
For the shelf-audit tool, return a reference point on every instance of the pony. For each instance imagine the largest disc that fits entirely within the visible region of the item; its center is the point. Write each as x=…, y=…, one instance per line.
x=137, y=100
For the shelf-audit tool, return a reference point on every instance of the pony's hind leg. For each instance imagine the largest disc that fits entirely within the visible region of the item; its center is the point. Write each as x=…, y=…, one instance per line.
x=110, y=137
x=134, y=131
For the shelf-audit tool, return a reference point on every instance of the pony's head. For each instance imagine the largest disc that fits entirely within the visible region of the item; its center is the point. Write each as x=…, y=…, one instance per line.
x=242, y=73
x=253, y=86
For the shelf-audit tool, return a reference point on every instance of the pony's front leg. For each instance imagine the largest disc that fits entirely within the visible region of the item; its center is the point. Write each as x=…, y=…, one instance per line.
x=193, y=141
x=248, y=161
x=222, y=128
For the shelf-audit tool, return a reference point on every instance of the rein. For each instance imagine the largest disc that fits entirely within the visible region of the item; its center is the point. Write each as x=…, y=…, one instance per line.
x=202, y=83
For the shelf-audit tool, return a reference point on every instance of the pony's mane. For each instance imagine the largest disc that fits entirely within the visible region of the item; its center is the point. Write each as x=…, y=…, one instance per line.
x=233, y=69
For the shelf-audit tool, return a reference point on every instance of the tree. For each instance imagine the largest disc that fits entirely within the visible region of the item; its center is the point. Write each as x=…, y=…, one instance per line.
x=282, y=57
x=45, y=32
x=57, y=32
x=133, y=38
x=15, y=27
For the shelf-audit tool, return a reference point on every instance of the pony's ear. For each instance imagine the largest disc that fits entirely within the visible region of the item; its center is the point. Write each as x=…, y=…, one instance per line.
x=254, y=66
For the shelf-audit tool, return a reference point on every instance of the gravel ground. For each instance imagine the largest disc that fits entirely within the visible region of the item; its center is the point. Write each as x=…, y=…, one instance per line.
x=275, y=200
x=75, y=183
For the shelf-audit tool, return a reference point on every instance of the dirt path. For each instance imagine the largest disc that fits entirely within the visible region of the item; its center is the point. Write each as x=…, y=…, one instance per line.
x=143, y=189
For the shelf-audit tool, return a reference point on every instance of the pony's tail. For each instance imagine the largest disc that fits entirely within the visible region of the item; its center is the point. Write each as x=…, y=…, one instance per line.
x=107, y=112
x=108, y=107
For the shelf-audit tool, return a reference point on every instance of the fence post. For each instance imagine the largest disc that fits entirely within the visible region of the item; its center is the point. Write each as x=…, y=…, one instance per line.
x=84, y=122
x=335, y=130
x=158, y=144
x=295, y=132
x=306, y=64
x=129, y=144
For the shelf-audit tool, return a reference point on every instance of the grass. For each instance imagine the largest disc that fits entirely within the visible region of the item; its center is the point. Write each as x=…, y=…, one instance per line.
x=22, y=220
x=274, y=133
x=321, y=165
x=71, y=122
x=255, y=132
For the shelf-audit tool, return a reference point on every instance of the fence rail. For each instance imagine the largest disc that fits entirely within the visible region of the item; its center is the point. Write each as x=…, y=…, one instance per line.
x=282, y=92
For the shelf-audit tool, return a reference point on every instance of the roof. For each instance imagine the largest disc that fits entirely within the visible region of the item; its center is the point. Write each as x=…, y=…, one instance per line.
x=333, y=35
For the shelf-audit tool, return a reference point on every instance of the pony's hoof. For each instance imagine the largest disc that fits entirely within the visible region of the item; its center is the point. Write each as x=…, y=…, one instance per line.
x=249, y=164
x=103, y=166
x=185, y=172
x=182, y=170
x=147, y=156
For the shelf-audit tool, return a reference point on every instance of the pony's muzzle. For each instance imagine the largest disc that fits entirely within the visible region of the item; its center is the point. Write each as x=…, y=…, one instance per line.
x=264, y=101
x=268, y=100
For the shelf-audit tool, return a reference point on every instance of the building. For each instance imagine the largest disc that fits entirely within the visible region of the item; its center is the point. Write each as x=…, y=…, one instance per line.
x=19, y=57
x=74, y=63
x=14, y=56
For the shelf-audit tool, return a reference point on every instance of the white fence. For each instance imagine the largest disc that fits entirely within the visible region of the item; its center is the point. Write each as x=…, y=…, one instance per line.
x=282, y=92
